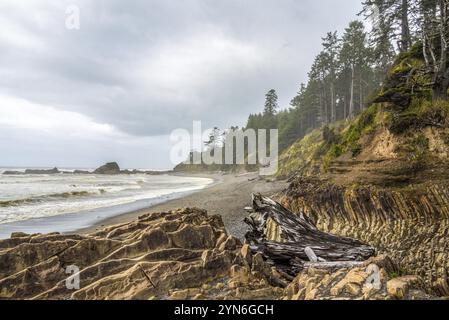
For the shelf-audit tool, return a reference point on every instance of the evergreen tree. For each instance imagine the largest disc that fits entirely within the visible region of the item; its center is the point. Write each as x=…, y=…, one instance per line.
x=354, y=57
x=271, y=103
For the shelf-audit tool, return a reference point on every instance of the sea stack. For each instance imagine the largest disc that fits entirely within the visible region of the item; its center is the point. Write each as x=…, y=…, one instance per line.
x=39, y=171
x=108, y=168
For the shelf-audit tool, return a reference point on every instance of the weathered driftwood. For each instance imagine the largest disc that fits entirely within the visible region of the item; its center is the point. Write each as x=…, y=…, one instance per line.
x=301, y=241
x=334, y=265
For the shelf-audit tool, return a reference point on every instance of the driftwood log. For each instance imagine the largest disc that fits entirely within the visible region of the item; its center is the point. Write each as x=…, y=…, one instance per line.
x=302, y=245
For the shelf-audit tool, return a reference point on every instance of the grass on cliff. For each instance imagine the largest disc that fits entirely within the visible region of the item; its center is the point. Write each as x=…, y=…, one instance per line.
x=300, y=155
x=323, y=145
x=348, y=140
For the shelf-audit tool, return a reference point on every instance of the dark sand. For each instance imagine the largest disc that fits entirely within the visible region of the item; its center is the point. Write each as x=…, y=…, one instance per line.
x=227, y=197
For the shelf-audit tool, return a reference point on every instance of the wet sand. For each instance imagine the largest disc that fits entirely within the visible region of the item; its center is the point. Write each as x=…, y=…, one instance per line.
x=228, y=197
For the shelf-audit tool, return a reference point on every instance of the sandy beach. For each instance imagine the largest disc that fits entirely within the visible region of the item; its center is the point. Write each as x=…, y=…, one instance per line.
x=228, y=197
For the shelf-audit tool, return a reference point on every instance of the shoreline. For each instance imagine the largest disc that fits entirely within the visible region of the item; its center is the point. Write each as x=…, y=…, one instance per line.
x=227, y=196
x=72, y=223
x=110, y=221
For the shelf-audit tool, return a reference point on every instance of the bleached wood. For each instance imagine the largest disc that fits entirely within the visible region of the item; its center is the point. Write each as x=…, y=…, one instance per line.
x=298, y=232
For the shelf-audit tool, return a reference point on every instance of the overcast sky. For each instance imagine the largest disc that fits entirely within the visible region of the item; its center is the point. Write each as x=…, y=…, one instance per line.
x=136, y=70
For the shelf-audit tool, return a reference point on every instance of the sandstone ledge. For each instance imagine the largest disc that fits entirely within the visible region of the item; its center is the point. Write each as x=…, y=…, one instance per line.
x=172, y=255
x=183, y=254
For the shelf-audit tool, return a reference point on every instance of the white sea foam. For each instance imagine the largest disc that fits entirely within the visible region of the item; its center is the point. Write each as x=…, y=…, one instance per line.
x=24, y=197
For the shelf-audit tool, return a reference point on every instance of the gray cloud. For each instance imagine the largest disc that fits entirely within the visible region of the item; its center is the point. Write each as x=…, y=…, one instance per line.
x=148, y=67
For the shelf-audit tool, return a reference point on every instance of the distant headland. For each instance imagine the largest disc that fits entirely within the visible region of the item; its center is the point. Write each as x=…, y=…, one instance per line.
x=110, y=168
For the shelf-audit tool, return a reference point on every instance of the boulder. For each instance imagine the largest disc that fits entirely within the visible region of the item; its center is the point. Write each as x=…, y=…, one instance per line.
x=398, y=288
x=230, y=243
x=81, y=172
x=246, y=254
x=44, y=171
x=108, y=168
x=19, y=235
x=12, y=173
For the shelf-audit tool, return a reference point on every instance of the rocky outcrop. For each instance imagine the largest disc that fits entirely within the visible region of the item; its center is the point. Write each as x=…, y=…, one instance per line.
x=172, y=255
x=108, y=168
x=37, y=171
x=9, y=172
x=81, y=172
x=375, y=280
x=182, y=254
x=33, y=171
x=410, y=224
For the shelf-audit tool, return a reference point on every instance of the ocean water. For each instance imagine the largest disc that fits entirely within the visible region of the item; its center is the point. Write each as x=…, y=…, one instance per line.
x=66, y=202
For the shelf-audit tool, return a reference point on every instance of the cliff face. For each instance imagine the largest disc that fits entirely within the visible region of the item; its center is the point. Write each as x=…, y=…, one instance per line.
x=409, y=224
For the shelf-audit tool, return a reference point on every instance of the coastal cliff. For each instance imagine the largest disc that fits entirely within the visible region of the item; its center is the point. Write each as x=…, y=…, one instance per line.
x=411, y=226
x=381, y=178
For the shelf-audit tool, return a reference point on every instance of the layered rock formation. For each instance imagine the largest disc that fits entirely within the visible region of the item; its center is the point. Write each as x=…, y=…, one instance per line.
x=372, y=281
x=172, y=255
x=183, y=254
x=410, y=224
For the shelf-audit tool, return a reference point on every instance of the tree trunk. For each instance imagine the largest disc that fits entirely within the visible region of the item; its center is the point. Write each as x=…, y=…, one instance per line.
x=345, y=106
x=326, y=108
x=299, y=237
x=361, y=92
x=440, y=87
x=441, y=76
x=351, y=100
x=405, y=27
x=333, y=111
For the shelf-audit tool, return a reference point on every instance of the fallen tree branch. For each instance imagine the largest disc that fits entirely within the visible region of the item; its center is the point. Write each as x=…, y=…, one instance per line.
x=334, y=265
x=301, y=241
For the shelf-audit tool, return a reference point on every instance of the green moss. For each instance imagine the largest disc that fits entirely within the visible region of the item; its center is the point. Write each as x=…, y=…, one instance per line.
x=436, y=112
x=406, y=80
x=421, y=113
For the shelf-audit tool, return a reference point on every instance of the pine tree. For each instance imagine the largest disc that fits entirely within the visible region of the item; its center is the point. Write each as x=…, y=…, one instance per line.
x=395, y=18
x=354, y=57
x=271, y=103
x=434, y=23
x=331, y=49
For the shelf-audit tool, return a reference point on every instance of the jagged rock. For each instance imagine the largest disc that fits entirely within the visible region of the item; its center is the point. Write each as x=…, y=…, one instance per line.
x=19, y=235
x=156, y=239
x=221, y=239
x=246, y=254
x=354, y=284
x=185, y=294
x=399, y=287
x=169, y=255
x=81, y=172
x=11, y=173
x=410, y=225
x=38, y=171
x=188, y=237
x=230, y=243
x=109, y=168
